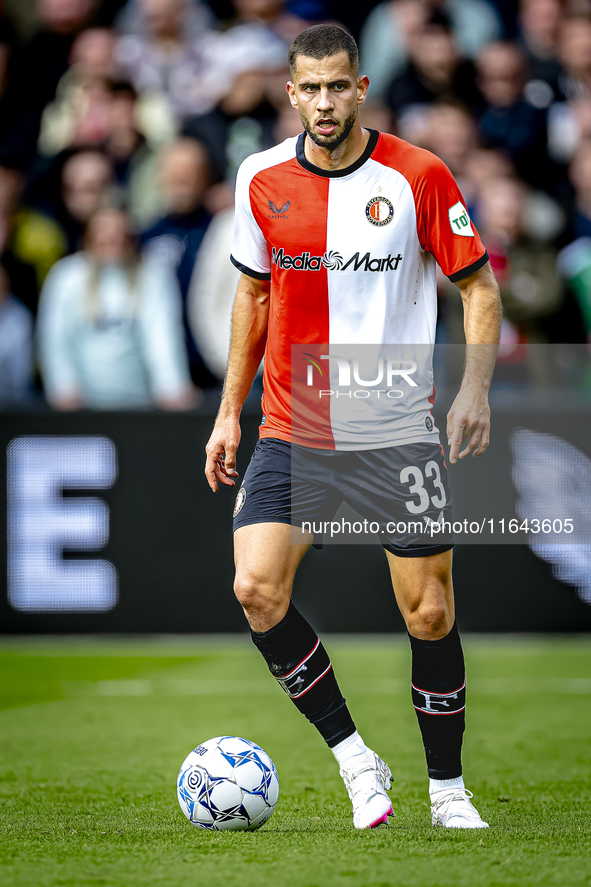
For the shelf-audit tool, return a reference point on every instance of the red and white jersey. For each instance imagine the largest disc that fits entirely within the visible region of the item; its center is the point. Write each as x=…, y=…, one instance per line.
x=351, y=255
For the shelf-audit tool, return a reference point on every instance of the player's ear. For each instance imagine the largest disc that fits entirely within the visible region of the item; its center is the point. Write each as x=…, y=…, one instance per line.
x=290, y=86
x=362, y=87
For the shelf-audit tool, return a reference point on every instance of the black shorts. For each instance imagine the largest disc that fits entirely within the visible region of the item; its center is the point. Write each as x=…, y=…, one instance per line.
x=398, y=492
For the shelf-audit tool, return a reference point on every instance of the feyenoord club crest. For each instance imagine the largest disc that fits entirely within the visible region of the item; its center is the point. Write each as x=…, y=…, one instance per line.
x=379, y=211
x=240, y=500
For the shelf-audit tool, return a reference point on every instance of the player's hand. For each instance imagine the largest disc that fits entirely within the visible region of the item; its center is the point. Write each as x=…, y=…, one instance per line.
x=220, y=465
x=468, y=419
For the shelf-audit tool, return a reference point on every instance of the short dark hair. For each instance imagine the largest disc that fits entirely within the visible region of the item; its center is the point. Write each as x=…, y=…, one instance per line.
x=119, y=88
x=321, y=41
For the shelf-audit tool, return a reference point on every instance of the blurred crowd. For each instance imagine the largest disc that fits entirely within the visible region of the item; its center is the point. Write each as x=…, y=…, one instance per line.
x=122, y=126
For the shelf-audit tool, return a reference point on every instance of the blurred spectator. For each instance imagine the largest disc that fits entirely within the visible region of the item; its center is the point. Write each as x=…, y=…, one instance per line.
x=30, y=241
x=92, y=109
x=16, y=363
x=480, y=166
x=531, y=289
x=435, y=71
x=166, y=63
x=289, y=124
x=78, y=116
x=34, y=235
x=540, y=22
x=85, y=178
x=388, y=31
x=133, y=159
x=21, y=273
x=175, y=239
x=451, y=134
x=537, y=307
x=574, y=264
x=569, y=120
x=8, y=108
x=211, y=293
x=132, y=18
x=391, y=28
x=38, y=67
x=109, y=327
x=484, y=164
x=509, y=122
x=569, y=123
x=374, y=115
x=252, y=55
x=575, y=58
x=267, y=17
x=580, y=176
x=260, y=35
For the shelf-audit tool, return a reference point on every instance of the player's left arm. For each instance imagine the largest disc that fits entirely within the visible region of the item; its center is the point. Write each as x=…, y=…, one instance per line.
x=469, y=416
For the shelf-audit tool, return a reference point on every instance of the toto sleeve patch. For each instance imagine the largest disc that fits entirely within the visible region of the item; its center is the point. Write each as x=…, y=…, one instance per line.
x=460, y=220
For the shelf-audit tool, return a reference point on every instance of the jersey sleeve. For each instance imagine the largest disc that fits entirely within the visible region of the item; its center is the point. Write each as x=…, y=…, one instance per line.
x=250, y=251
x=444, y=226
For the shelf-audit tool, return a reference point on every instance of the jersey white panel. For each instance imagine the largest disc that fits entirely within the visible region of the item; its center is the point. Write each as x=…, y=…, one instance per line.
x=381, y=288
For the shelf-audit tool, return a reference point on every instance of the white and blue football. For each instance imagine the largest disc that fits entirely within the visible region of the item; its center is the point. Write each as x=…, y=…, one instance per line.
x=228, y=783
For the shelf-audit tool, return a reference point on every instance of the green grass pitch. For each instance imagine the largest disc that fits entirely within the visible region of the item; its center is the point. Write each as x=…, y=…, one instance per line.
x=92, y=733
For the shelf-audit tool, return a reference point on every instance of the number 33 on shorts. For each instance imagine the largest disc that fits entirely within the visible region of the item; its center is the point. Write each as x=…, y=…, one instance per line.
x=423, y=497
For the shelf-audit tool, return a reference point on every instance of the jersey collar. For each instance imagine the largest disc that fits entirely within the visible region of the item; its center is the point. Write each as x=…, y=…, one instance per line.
x=336, y=173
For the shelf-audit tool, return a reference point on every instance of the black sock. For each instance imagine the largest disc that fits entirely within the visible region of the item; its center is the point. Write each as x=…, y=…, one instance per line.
x=439, y=698
x=299, y=662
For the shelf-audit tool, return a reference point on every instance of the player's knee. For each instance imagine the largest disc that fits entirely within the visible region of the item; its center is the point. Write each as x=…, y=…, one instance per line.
x=255, y=595
x=430, y=622
x=247, y=592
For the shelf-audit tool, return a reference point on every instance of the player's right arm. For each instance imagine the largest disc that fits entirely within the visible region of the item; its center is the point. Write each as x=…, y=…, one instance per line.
x=247, y=346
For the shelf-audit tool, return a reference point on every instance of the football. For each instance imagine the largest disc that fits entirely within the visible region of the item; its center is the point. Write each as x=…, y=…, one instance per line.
x=228, y=783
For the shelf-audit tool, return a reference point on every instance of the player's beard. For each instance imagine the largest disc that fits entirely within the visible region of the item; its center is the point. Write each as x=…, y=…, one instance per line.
x=331, y=143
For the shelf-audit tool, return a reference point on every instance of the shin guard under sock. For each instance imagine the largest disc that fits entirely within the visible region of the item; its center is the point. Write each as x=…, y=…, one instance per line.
x=439, y=698
x=300, y=664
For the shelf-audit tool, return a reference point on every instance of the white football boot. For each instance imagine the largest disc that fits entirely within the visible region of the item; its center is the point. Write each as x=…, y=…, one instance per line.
x=367, y=779
x=452, y=808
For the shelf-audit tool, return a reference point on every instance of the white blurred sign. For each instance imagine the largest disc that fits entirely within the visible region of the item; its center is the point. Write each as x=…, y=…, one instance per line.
x=553, y=479
x=42, y=523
